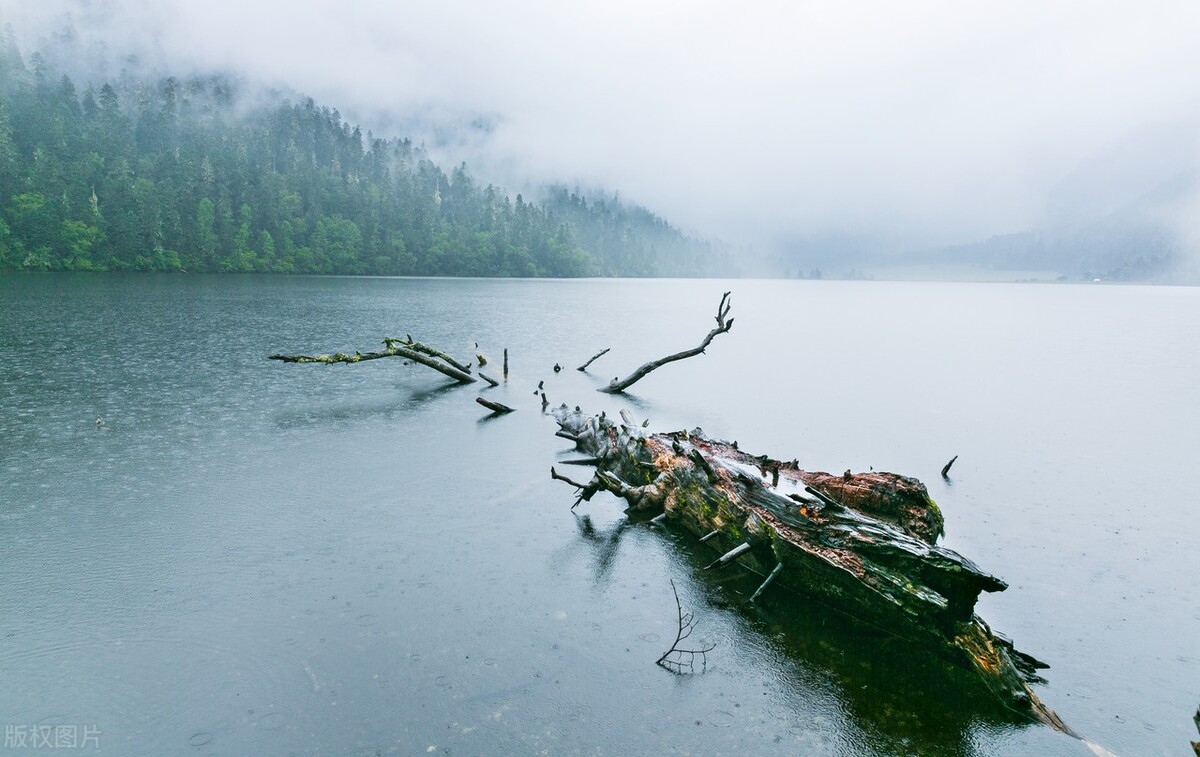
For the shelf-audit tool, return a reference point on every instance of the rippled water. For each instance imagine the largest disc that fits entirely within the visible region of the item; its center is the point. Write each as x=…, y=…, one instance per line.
x=249, y=557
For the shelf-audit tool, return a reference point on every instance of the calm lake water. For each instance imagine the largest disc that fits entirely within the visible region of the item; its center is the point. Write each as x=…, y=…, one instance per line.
x=258, y=558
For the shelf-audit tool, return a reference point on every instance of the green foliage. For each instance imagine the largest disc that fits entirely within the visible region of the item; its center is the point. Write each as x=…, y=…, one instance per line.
x=176, y=175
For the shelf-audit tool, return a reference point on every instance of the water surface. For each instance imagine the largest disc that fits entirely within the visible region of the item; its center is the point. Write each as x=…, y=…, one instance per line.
x=257, y=558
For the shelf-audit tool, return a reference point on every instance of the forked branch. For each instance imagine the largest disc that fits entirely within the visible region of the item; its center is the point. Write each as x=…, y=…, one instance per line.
x=586, y=491
x=679, y=660
x=723, y=324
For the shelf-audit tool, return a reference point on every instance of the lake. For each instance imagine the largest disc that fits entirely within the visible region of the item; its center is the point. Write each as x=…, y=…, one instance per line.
x=250, y=557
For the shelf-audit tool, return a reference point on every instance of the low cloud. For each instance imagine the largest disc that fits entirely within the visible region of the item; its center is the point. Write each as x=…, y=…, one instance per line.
x=925, y=123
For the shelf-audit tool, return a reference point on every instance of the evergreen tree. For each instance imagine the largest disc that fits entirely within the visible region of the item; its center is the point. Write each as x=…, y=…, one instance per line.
x=170, y=175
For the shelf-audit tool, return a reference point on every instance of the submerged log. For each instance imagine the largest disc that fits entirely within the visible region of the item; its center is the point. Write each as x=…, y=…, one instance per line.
x=865, y=544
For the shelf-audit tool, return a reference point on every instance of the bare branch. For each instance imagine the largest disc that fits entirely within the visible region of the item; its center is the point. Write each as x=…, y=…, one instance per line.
x=586, y=491
x=430, y=351
x=599, y=354
x=392, y=350
x=616, y=386
x=675, y=659
x=560, y=477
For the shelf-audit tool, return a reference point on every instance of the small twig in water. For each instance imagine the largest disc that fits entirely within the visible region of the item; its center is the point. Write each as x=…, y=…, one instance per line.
x=682, y=661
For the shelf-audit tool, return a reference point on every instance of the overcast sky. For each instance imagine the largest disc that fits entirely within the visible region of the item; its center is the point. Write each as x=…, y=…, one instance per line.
x=927, y=121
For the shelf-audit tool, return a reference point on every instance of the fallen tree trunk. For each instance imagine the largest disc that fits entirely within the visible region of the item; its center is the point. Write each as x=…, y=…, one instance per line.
x=414, y=351
x=865, y=543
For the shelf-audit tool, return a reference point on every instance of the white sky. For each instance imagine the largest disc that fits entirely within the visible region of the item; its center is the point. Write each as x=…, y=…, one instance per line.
x=927, y=121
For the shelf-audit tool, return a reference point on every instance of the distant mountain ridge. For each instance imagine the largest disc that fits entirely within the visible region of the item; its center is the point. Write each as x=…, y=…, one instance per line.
x=1136, y=241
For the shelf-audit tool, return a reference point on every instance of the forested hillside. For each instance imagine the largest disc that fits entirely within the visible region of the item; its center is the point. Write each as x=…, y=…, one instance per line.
x=192, y=174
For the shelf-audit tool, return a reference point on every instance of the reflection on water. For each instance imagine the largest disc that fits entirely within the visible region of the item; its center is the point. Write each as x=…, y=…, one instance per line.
x=257, y=558
x=604, y=543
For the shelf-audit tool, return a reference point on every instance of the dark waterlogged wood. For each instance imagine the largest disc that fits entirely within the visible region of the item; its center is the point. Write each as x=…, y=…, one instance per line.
x=946, y=470
x=414, y=351
x=495, y=407
x=864, y=543
x=724, y=324
x=586, y=491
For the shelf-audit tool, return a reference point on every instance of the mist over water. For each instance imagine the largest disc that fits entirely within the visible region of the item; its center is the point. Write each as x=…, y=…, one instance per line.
x=250, y=557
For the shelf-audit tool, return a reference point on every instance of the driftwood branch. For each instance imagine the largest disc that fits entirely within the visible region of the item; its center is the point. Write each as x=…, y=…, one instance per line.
x=495, y=407
x=427, y=350
x=593, y=358
x=414, y=351
x=679, y=660
x=723, y=324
